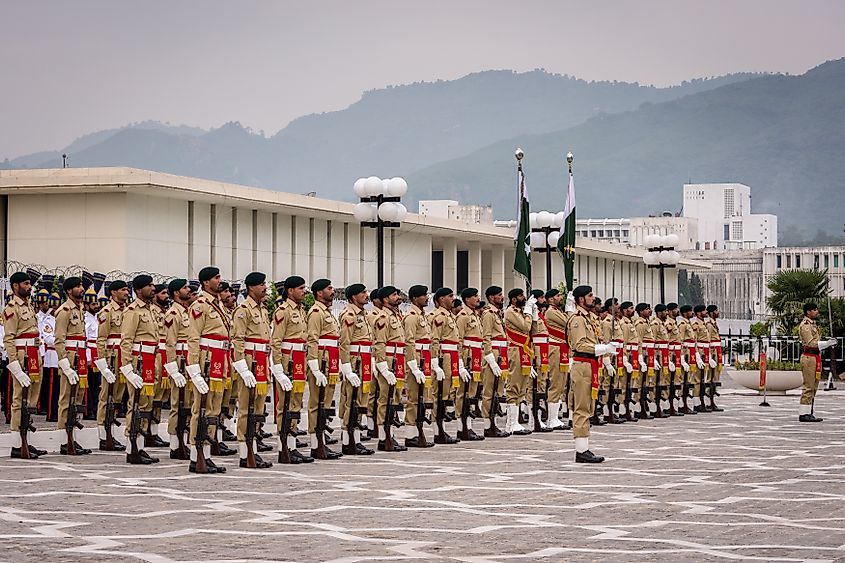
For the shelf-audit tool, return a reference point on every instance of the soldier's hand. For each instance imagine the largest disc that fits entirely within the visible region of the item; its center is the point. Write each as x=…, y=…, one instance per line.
x=671, y=365
x=69, y=372
x=438, y=371
x=628, y=367
x=684, y=364
x=109, y=376
x=197, y=379
x=131, y=377
x=22, y=377
x=713, y=363
x=644, y=367
x=419, y=375
x=462, y=371
x=173, y=371
x=320, y=378
x=698, y=361
x=248, y=378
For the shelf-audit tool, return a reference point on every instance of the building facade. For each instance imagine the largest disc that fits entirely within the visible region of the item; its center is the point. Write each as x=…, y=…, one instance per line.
x=725, y=221
x=830, y=258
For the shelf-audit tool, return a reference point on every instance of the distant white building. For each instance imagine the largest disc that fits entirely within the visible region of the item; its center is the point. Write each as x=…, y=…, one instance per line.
x=634, y=230
x=830, y=258
x=725, y=221
x=451, y=209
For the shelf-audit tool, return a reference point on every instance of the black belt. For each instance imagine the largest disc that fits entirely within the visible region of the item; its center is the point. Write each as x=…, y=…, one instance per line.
x=807, y=350
x=585, y=356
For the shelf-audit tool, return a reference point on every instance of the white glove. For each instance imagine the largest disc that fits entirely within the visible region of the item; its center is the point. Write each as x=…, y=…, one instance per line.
x=388, y=375
x=608, y=364
x=628, y=366
x=616, y=346
x=571, y=363
x=16, y=370
x=698, y=361
x=494, y=365
x=69, y=372
x=611, y=371
x=825, y=344
x=130, y=376
x=197, y=379
x=351, y=376
x=246, y=375
x=435, y=367
x=528, y=310
x=644, y=366
x=671, y=365
x=656, y=362
x=462, y=371
x=570, y=303
x=531, y=301
x=279, y=374
x=712, y=362
x=107, y=374
x=535, y=313
x=319, y=376
x=173, y=371
x=602, y=349
x=684, y=364
x=533, y=373
x=419, y=375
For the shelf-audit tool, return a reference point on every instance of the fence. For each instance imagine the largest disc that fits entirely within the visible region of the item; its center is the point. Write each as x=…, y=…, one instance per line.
x=739, y=349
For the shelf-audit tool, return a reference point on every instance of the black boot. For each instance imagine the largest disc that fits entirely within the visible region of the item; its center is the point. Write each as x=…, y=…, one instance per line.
x=588, y=457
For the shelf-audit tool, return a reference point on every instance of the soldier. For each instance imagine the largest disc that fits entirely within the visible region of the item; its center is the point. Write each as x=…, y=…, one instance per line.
x=355, y=345
x=811, y=361
x=494, y=372
x=388, y=336
x=21, y=340
x=323, y=366
x=138, y=347
x=70, y=349
x=661, y=344
x=555, y=319
x=251, y=345
x=445, y=359
x=675, y=366
x=469, y=329
x=109, y=322
x=583, y=334
x=176, y=330
x=208, y=350
x=702, y=357
x=688, y=353
x=519, y=317
x=159, y=306
x=228, y=299
x=418, y=360
x=288, y=345
x=630, y=360
x=91, y=307
x=375, y=316
x=613, y=365
x=648, y=360
x=715, y=355
x=540, y=341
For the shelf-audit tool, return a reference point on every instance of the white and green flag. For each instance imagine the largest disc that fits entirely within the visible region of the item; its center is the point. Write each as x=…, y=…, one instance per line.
x=522, y=238
x=566, y=241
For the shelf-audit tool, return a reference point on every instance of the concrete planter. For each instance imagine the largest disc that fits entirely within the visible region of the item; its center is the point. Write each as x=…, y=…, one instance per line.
x=777, y=382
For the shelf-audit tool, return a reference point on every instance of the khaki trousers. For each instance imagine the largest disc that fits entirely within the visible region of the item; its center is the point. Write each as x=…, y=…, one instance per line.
x=581, y=374
x=517, y=382
x=810, y=383
x=243, y=409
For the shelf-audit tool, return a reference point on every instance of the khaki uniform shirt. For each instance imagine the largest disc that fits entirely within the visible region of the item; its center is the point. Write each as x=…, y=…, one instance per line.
x=492, y=327
x=582, y=332
x=320, y=322
x=517, y=320
x=19, y=318
x=658, y=329
x=353, y=328
x=378, y=319
x=416, y=328
x=177, y=326
x=139, y=325
x=208, y=317
x=443, y=327
x=251, y=320
x=672, y=330
x=110, y=318
x=289, y=323
x=808, y=332
x=69, y=322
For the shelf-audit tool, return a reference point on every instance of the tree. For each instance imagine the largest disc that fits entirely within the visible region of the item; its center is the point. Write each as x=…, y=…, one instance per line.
x=791, y=289
x=837, y=310
x=689, y=288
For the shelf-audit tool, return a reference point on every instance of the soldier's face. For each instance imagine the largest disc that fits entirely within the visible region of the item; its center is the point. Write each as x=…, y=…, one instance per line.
x=297, y=294
x=394, y=299
x=258, y=292
x=161, y=296
x=120, y=295
x=813, y=314
x=44, y=307
x=520, y=301
x=77, y=292
x=497, y=299
x=716, y=314
x=325, y=295
x=472, y=302
x=628, y=312
x=687, y=315
x=361, y=299
x=662, y=315
x=23, y=289
x=555, y=301
x=147, y=292
x=214, y=283
x=421, y=301
x=184, y=294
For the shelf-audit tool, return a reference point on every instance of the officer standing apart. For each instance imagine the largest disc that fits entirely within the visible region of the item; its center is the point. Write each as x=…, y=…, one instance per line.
x=811, y=361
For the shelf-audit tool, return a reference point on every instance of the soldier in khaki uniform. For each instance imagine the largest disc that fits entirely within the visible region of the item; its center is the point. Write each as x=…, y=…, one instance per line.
x=70, y=349
x=612, y=365
x=176, y=329
x=675, y=371
x=138, y=351
x=583, y=333
x=388, y=336
x=208, y=357
x=630, y=360
x=251, y=354
x=288, y=345
x=323, y=363
x=110, y=319
x=688, y=366
x=418, y=360
x=540, y=341
x=555, y=319
x=21, y=342
x=445, y=356
x=811, y=361
x=715, y=355
x=355, y=345
x=159, y=307
x=519, y=317
x=661, y=353
x=649, y=364
x=469, y=330
x=373, y=316
x=702, y=357
x=494, y=372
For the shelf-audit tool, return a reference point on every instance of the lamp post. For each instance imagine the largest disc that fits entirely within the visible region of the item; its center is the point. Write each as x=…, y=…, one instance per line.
x=661, y=255
x=545, y=232
x=380, y=209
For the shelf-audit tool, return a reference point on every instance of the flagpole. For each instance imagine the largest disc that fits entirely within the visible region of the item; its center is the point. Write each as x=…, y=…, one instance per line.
x=522, y=240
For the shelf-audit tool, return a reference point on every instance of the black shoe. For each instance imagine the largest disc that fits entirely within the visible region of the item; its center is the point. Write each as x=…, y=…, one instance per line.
x=118, y=447
x=36, y=451
x=715, y=408
x=262, y=447
x=140, y=460
x=145, y=455
x=588, y=457
x=329, y=441
x=415, y=443
x=597, y=421
x=259, y=463
x=223, y=450
x=523, y=432
x=227, y=435
x=470, y=435
x=155, y=442
x=495, y=433
x=211, y=465
x=178, y=454
x=445, y=439
x=699, y=408
x=192, y=467
x=328, y=454
x=296, y=457
x=16, y=454
x=265, y=435
x=809, y=418
x=361, y=449
x=450, y=416
x=79, y=449
x=300, y=433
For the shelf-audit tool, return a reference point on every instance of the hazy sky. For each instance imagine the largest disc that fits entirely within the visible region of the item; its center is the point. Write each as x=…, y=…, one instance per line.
x=69, y=68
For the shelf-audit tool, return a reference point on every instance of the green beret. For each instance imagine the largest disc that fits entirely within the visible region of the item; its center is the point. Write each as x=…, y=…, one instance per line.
x=224, y=286
x=294, y=281
x=255, y=278
x=642, y=307
x=537, y=293
x=610, y=302
x=140, y=281
x=469, y=292
x=659, y=308
x=626, y=305
x=320, y=285
x=72, y=282
x=442, y=292
x=671, y=306
x=686, y=308
x=387, y=291
x=176, y=285
x=712, y=308
x=353, y=290
x=581, y=291
x=159, y=287
x=699, y=308
x=492, y=290
x=552, y=293
x=18, y=277
x=375, y=294
x=515, y=292
x=207, y=273
x=417, y=291
x=117, y=284
x=810, y=307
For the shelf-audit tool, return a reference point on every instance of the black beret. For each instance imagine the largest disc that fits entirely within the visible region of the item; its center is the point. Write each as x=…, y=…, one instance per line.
x=659, y=308
x=699, y=308
x=140, y=281
x=72, y=282
x=515, y=292
x=18, y=277
x=117, y=284
x=417, y=291
x=597, y=301
x=686, y=308
x=642, y=307
x=320, y=285
x=294, y=282
x=375, y=294
x=457, y=303
x=387, y=291
x=537, y=293
x=581, y=291
x=354, y=289
x=469, y=292
x=236, y=287
x=493, y=290
x=207, y=273
x=626, y=304
x=671, y=306
x=810, y=307
x=159, y=287
x=255, y=278
x=482, y=304
x=442, y=292
x=552, y=293
x=194, y=284
x=712, y=308
x=176, y=285
x=224, y=286
x=610, y=302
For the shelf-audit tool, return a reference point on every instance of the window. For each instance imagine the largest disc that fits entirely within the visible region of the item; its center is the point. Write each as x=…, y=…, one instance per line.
x=816, y=261
x=601, y=234
x=593, y=234
x=624, y=233
x=778, y=262
x=827, y=261
x=835, y=260
x=789, y=260
x=797, y=260
x=727, y=233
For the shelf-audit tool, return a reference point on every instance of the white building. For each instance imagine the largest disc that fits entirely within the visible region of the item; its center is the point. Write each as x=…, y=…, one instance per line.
x=470, y=214
x=634, y=230
x=830, y=258
x=734, y=281
x=129, y=220
x=724, y=217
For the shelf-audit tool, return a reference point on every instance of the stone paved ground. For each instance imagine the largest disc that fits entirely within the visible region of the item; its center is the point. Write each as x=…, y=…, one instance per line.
x=749, y=483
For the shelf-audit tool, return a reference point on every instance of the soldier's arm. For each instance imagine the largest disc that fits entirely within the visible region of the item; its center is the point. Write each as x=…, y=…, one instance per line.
x=410, y=322
x=577, y=333
x=380, y=339
x=62, y=319
x=239, y=327
x=314, y=320
x=127, y=335
x=278, y=334
x=437, y=324
x=171, y=335
x=347, y=323
x=805, y=333
x=197, y=321
x=488, y=324
x=10, y=322
x=102, y=333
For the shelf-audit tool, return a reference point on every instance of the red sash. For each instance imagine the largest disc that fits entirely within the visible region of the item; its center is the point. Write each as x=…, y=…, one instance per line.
x=475, y=353
x=502, y=360
x=677, y=355
x=522, y=342
x=558, y=339
x=620, y=357
x=257, y=349
x=332, y=354
x=81, y=360
x=664, y=356
x=423, y=348
x=452, y=355
x=92, y=347
x=363, y=349
x=217, y=348
x=650, y=356
x=594, y=380
x=398, y=355
x=818, y=358
x=706, y=354
x=33, y=369
x=295, y=348
x=543, y=348
x=147, y=352
x=718, y=345
x=635, y=358
x=164, y=381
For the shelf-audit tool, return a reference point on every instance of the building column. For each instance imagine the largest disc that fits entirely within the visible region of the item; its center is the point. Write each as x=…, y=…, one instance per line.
x=497, y=268
x=450, y=263
x=474, y=279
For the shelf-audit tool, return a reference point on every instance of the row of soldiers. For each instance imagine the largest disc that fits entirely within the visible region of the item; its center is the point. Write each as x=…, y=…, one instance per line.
x=572, y=363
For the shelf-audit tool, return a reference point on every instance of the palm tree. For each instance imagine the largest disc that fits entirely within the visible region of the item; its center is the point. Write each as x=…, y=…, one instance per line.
x=790, y=290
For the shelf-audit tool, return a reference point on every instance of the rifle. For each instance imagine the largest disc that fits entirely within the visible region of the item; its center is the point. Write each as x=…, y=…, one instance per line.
x=72, y=420
x=476, y=401
x=182, y=415
x=388, y=415
x=629, y=398
x=441, y=410
x=645, y=410
x=566, y=394
x=252, y=421
x=26, y=418
x=494, y=403
x=465, y=411
x=323, y=414
x=202, y=425
x=287, y=418
x=536, y=397
x=612, y=391
x=111, y=416
x=422, y=416
x=135, y=428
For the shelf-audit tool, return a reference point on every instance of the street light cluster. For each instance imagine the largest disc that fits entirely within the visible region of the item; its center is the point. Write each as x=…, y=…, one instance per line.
x=545, y=228
x=377, y=197
x=661, y=250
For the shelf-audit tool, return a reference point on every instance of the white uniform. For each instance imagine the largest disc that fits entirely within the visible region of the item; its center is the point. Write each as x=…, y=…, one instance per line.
x=47, y=330
x=91, y=329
